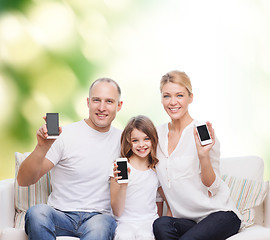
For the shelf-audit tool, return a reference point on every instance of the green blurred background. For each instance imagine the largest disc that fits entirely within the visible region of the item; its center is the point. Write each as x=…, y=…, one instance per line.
x=51, y=51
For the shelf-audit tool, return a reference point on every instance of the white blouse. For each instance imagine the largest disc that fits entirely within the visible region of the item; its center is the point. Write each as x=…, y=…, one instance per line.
x=180, y=177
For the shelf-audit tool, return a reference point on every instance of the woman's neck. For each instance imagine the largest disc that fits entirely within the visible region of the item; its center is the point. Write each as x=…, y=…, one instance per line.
x=178, y=125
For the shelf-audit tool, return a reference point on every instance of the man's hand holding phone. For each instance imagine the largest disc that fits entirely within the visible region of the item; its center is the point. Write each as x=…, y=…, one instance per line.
x=43, y=135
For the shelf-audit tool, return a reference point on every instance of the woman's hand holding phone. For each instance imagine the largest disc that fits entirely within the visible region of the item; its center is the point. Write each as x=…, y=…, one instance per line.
x=203, y=150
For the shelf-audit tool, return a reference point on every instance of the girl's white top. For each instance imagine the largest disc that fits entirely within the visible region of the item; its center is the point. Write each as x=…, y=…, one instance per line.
x=180, y=177
x=140, y=196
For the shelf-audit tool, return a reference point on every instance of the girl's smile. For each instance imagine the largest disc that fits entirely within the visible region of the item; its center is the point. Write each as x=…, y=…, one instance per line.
x=141, y=143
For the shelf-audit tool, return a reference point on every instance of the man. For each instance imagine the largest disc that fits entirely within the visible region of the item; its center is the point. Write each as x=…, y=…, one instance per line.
x=80, y=161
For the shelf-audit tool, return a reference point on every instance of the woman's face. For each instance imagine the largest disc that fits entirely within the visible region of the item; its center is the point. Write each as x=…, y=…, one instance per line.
x=175, y=100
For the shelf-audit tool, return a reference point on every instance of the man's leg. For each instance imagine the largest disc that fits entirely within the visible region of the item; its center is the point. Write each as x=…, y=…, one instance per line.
x=97, y=226
x=170, y=228
x=217, y=226
x=43, y=222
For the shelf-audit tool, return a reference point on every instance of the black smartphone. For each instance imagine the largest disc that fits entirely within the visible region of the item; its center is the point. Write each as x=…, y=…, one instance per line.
x=122, y=166
x=204, y=134
x=52, y=122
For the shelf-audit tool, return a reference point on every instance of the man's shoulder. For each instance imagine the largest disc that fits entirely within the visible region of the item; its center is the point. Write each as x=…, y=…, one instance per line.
x=72, y=128
x=73, y=125
x=115, y=131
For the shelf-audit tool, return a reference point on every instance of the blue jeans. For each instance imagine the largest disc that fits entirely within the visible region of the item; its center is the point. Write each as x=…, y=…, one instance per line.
x=217, y=226
x=43, y=222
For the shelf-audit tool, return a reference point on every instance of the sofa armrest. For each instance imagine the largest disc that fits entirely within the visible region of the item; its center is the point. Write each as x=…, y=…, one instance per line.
x=267, y=208
x=7, y=208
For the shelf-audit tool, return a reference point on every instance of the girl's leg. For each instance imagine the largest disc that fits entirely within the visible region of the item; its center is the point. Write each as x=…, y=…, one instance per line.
x=217, y=226
x=125, y=231
x=145, y=230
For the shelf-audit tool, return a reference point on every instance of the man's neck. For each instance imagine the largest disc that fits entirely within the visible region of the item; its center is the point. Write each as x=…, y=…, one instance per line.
x=97, y=128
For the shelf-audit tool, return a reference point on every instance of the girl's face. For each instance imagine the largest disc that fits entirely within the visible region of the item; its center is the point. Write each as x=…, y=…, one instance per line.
x=141, y=143
x=175, y=100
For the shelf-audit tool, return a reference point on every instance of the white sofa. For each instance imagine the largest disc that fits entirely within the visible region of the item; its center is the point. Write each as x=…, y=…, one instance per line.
x=250, y=167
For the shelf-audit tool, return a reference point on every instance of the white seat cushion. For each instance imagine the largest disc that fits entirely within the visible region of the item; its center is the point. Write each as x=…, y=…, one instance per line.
x=19, y=234
x=255, y=232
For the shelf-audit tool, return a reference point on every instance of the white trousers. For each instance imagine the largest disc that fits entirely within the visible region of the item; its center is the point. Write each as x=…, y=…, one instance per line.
x=142, y=230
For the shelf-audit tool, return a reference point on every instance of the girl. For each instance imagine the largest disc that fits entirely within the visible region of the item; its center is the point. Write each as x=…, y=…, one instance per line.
x=134, y=203
x=189, y=172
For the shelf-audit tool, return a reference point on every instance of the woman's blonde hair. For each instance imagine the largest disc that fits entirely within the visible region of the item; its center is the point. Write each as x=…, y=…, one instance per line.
x=144, y=124
x=177, y=77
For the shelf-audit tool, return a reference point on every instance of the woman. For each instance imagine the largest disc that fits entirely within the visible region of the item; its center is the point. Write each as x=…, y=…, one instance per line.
x=189, y=172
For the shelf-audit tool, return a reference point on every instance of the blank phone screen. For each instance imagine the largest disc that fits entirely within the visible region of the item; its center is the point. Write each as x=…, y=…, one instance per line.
x=203, y=132
x=122, y=166
x=52, y=123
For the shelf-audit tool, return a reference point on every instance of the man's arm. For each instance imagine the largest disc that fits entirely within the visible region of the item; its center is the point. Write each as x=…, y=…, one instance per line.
x=36, y=165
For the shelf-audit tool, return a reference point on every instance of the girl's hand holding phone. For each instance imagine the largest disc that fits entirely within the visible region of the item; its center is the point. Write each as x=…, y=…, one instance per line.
x=117, y=174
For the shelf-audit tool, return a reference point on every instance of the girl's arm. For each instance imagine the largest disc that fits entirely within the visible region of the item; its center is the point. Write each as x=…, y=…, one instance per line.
x=208, y=175
x=169, y=213
x=118, y=193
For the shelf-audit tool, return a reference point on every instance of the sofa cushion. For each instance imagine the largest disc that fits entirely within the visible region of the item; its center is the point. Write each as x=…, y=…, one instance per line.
x=26, y=197
x=251, y=167
x=247, y=194
x=19, y=234
x=254, y=232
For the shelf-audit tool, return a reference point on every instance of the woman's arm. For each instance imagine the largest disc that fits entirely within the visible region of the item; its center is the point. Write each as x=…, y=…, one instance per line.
x=208, y=175
x=118, y=193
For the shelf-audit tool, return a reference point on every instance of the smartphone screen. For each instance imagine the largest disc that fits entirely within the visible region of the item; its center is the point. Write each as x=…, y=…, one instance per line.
x=122, y=166
x=203, y=132
x=52, y=123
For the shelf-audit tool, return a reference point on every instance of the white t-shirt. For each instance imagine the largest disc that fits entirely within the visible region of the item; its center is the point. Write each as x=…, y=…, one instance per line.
x=141, y=193
x=180, y=178
x=82, y=157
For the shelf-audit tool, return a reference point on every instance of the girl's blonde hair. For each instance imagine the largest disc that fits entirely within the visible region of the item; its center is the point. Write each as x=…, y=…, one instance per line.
x=177, y=77
x=144, y=124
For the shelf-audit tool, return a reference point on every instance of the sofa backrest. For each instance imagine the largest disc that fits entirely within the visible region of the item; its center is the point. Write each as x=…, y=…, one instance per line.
x=251, y=167
x=247, y=167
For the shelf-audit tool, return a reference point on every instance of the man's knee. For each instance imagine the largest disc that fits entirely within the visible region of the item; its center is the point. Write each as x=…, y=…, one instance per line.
x=101, y=226
x=104, y=221
x=37, y=215
x=38, y=211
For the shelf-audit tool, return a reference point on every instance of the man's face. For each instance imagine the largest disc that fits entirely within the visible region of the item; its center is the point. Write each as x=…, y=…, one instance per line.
x=103, y=104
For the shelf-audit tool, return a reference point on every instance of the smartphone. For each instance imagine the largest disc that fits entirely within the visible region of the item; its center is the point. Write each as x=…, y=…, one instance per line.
x=204, y=134
x=122, y=166
x=52, y=122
